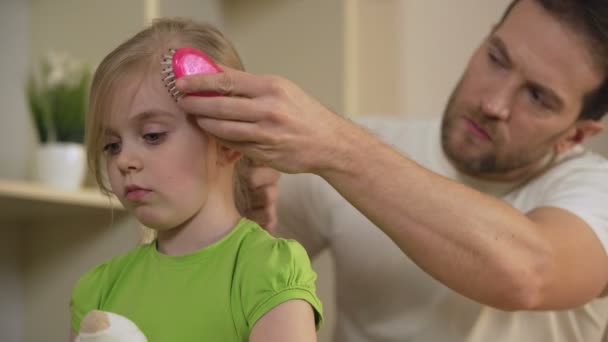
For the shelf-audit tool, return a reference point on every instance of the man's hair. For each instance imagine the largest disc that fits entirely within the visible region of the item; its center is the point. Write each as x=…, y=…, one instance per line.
x=589, y=18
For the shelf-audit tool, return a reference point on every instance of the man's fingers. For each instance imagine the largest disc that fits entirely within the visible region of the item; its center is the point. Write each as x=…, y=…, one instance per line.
x=231, y=131
x=229, y=82
x=267, y=218
x=262, y=198
x=259, y=176
x=225, y=108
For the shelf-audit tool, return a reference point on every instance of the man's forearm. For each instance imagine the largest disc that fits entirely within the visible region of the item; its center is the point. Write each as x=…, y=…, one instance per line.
x=473, y=243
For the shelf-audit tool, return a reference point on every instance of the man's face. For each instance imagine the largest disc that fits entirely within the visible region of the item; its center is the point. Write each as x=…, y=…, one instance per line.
x=521, y=95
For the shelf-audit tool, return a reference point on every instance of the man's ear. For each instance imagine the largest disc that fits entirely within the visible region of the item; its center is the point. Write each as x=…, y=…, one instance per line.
x=582, y=130
x=226, y=155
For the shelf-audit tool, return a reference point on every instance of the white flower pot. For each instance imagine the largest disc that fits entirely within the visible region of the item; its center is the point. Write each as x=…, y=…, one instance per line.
x=60, y=165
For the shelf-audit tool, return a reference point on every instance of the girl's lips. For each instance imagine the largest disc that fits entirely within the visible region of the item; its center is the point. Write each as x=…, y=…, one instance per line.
x=136, y=194
x=477, y=130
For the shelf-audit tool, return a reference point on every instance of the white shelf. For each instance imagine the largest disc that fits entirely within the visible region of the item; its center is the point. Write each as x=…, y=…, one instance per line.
x=30, y=202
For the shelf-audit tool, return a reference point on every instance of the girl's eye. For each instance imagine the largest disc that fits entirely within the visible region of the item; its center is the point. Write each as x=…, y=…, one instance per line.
x=112, y=148
x=154, y=138
x=494, y=59
x=535, y=95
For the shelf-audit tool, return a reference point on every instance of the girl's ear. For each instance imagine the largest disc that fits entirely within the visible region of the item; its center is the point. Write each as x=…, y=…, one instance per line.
x=226, y=155
x=579, y=133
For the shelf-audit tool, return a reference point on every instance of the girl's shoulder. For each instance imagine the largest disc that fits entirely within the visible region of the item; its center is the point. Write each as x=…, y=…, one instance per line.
x=260, y=249
x=270, y=271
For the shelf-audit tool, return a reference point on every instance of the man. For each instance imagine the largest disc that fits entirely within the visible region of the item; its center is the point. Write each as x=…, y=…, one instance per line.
x=500, y=213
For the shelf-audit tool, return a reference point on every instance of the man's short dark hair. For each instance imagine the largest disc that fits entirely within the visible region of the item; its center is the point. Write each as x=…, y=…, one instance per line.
x=590, y=18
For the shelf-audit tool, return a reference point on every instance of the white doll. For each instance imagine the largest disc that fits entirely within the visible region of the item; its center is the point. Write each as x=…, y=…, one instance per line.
x=103, y=326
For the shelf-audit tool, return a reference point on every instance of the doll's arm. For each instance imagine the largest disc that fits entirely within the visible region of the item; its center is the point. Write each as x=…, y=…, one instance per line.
x=292, y=321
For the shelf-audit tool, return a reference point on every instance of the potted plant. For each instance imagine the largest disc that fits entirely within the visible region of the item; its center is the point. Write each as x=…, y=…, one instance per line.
x=57, y=93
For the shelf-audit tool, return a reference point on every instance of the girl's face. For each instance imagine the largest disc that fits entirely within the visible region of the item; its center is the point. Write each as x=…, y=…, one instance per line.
x=160, y=164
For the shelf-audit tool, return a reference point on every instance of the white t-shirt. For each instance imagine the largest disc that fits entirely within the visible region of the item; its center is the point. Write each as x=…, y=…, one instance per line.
x=383, y=296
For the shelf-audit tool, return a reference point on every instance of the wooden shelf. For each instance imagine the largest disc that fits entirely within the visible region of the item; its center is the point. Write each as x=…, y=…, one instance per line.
x=31, y=202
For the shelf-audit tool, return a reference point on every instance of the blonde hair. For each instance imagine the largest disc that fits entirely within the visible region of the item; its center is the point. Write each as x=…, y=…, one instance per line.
x=143, y=52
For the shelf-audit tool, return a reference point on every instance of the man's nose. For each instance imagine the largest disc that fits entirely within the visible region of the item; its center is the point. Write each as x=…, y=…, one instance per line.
x=497, y=102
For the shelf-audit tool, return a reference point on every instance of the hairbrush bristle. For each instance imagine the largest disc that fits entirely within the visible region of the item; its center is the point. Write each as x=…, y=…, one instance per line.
x=186, y=61
x=168, y=76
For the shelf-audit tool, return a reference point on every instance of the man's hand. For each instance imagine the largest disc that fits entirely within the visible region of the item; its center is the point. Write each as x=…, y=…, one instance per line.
x=267, y=118
x=262, y=184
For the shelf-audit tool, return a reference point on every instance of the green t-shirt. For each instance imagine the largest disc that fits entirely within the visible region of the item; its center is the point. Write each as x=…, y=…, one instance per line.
x=215, y=294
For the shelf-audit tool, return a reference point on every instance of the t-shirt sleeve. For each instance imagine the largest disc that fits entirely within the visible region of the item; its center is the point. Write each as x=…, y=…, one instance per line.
x=276, y=272
x=86, y=295
x=584, y=192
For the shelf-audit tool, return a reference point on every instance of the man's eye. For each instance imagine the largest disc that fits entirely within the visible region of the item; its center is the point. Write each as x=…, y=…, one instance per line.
x=154, y=138
x=111, y=148
x=537, y=97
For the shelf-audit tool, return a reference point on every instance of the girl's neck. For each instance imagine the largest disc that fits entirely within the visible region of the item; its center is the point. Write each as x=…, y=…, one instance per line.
x=213, y=222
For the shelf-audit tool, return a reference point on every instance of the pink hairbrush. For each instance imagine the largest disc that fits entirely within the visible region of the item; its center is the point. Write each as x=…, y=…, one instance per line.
x=186, y=61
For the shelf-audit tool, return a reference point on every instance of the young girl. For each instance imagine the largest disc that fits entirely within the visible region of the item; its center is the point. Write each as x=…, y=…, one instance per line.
x=210, y=275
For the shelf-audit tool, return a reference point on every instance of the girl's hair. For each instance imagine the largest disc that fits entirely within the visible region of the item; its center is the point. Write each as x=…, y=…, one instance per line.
x=143, y=52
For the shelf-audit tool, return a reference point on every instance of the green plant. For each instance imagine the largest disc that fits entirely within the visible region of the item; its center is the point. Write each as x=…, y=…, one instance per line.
x=57, y=94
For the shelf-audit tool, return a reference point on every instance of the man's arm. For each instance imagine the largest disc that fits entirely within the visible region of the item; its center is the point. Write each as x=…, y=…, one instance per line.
x=476, y=244
x=290, y=321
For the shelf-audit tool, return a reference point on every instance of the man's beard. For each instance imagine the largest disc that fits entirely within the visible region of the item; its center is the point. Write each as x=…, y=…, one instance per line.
x=486, y=163
x=489, y=162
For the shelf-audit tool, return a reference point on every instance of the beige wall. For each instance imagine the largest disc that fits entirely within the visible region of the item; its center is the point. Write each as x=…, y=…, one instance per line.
x=16, y=138
x=301, y=40
x=373, y=57
x=86, y=29
x=404, y=56
x=14, y=42
x=438, y=38
x=210, y=11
